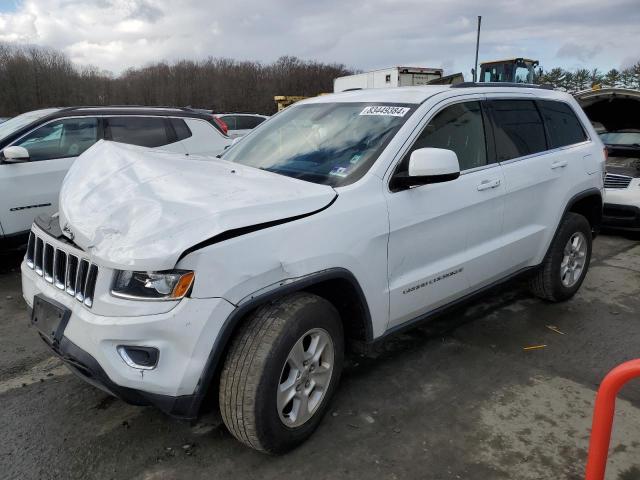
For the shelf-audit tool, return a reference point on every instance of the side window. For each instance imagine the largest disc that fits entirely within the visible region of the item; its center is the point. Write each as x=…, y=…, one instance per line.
x=181, y=129
x=230, y=120
x=61, y=139
x=255, y=121
x=563, y=127
x=459, y=128
x=518, y=129
x=247, y=122
x=141, y=131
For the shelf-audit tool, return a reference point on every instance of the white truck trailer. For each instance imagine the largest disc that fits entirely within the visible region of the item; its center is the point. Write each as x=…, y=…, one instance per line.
x=388, y=77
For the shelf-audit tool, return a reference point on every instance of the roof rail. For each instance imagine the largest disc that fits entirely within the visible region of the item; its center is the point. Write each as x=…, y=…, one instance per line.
x=150, y=107
x=501, y=84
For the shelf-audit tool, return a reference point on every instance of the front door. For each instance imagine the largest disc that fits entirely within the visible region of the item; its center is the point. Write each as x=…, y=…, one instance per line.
x=31, y=188
x=443, y=236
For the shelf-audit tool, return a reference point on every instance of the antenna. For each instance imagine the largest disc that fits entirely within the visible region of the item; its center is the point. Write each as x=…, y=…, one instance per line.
x=475, y=68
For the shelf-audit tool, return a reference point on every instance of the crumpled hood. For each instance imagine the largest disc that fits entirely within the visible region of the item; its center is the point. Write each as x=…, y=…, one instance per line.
x=134, y=207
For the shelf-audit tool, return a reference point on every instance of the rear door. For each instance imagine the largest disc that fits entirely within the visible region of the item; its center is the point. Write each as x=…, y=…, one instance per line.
x=538, y=174
x=443, y=236
x=31, y=188
x=176, y=134
x=149, y=131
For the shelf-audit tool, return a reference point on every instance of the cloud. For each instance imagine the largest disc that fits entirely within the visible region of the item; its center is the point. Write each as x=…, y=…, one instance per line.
x=583, y=53
x=117, y=34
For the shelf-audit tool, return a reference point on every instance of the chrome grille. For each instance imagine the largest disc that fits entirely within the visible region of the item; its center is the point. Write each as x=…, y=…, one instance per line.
x=68, y=272
x=612, y=180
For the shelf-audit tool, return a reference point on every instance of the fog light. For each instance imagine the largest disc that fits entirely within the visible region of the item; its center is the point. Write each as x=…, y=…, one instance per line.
x=142, y=358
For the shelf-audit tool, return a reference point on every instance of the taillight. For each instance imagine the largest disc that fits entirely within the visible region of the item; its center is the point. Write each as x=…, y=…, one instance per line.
x=223, y=126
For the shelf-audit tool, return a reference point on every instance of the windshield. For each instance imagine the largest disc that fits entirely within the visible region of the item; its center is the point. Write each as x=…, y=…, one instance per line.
x=621, y=138
x=16, y=123
x=330, y=143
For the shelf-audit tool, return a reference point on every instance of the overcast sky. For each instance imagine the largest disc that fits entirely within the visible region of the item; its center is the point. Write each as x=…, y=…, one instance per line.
x=117, y=34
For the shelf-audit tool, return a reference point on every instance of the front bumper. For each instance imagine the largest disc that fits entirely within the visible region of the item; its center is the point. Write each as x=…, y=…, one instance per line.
x=184, y=336
x=621, y=209
x=88, y=369
x=621, y=217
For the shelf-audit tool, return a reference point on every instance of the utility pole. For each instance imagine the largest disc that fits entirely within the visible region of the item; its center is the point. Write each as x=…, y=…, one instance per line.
x=475, y=68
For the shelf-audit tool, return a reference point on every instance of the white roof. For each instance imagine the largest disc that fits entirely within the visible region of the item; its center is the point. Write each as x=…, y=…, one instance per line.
x=418, y=94
x=392, y=95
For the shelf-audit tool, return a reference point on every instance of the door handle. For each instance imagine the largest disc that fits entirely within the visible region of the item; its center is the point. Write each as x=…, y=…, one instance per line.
x=559, y=164
x=487, y=184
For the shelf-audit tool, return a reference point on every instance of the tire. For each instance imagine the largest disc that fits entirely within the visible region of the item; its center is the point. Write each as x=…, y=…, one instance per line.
x=262, y=355
x=552, y=282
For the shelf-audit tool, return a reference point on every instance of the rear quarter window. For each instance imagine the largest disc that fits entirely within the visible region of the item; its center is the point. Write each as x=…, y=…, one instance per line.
x=247, y=123
x=518, y=129
x=563, y=126
x=181, y=129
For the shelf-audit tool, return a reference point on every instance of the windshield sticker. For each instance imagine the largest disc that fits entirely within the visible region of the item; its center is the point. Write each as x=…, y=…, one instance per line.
x=385, y=110
x=339, y=171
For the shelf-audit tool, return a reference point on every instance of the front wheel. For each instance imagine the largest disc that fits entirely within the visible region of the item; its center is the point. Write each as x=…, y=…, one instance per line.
x=281, y=372
x=567, y=261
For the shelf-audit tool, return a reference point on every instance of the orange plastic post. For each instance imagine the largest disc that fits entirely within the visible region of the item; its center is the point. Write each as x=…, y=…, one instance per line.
x=603, y=417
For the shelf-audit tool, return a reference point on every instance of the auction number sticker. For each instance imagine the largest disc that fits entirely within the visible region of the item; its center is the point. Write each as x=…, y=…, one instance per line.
x=385, y=110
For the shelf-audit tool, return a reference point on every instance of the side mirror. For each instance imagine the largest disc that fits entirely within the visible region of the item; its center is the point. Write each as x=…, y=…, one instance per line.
x=15, y=155
x=428, y=165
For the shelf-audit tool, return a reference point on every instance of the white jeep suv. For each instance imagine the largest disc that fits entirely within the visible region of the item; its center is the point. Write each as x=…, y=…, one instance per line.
x=340, y=220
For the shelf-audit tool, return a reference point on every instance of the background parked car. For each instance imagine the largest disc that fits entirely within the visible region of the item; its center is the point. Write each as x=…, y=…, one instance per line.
x=239, y=124
x=615, y=113
x=37, y=148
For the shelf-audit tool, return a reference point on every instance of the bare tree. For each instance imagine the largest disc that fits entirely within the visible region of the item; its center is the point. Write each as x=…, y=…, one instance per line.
x=34, y=77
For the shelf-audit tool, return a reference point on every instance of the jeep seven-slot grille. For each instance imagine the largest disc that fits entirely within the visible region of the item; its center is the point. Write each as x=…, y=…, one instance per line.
x=611, y=180
x=68, y=272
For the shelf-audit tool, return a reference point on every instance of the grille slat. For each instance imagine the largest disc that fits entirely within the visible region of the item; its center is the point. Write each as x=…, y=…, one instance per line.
x=59, y=269
x=612, y=180
x=47, y=262
x=72, y=267
x=39, y=250
x=81, y=279
x=90, y=285
x=30, y=248
x=71, y=273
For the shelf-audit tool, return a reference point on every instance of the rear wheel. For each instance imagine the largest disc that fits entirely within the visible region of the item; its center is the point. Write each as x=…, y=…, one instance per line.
x=565, y=266
x=281, y=372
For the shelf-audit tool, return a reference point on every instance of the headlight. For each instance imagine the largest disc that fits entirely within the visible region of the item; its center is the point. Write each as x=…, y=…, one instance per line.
x=165, y=285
